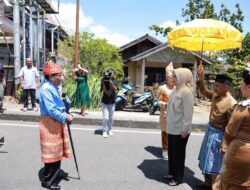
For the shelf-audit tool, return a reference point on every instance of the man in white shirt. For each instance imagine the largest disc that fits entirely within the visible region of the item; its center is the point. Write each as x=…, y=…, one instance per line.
x=29, y=77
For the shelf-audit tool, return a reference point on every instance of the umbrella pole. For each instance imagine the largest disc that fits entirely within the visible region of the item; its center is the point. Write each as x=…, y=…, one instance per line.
x=202, y=50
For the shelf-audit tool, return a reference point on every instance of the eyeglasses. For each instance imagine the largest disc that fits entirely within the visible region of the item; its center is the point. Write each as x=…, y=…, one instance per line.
x=56, y=75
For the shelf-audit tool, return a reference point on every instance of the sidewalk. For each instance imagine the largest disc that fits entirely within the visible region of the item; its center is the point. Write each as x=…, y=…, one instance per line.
x=13, y=111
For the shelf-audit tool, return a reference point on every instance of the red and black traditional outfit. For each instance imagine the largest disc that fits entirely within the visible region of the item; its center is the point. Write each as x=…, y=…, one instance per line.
x=53, y=134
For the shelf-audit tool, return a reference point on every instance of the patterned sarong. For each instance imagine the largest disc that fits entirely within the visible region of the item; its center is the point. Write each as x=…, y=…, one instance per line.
x=54, y=140
x=210, y=157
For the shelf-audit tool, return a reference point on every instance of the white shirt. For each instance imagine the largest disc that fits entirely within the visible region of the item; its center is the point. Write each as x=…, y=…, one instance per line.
x=29, y=77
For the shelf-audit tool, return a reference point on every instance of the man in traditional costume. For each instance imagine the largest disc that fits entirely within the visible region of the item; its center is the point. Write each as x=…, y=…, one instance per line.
x=53, y=132
x=222, y=102
x=163, y=95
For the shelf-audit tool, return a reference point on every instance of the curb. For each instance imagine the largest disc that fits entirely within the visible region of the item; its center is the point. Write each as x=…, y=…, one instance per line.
x=196, y=127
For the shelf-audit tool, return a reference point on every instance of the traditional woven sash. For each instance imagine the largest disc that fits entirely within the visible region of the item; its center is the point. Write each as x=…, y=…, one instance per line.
x=54, y=140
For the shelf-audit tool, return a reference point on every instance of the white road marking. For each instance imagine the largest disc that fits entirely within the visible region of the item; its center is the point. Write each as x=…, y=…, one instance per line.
x=92, y=129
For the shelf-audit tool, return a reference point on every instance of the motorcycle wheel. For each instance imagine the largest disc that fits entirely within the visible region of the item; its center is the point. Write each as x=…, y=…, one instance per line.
x=119, y=107
x=151, y=112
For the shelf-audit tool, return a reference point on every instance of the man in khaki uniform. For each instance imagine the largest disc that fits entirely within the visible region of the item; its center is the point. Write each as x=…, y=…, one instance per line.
x=210, y=157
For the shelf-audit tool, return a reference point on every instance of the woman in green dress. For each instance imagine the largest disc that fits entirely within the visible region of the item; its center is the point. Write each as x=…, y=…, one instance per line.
x=82, y=98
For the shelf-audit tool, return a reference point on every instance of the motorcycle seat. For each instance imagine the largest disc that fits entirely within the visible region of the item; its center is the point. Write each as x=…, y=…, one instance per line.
x=136, y=95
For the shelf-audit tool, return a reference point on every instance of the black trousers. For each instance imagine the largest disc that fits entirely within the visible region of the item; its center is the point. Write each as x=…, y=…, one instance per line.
x=50, y=173
x=176, y=156
x=32, y=94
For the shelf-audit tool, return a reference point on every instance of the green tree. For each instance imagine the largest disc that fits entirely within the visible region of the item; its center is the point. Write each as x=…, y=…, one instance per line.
x=97, y=56
x=198, y=9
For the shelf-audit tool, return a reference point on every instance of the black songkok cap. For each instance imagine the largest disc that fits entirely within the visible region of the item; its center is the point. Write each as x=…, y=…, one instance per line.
x=223, y=79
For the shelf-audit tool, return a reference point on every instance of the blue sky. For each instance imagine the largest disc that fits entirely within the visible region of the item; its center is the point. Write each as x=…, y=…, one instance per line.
x=120, y=21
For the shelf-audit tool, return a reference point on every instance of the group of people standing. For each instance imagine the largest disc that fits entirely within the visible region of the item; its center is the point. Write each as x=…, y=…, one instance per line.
x=30, y=82
x=224, y=157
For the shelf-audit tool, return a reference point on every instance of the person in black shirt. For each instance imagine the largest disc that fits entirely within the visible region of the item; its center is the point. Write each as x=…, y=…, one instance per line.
x=109, y=88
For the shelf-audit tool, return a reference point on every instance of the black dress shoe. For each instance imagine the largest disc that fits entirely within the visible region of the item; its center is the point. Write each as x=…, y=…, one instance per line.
x=204, y=187
x=62, y=175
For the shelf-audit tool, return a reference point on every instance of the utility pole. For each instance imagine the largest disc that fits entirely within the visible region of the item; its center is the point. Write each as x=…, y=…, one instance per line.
x=31, y=39
x=24, y=30
x=77, y=34
x=44, y=38
x=16, y=19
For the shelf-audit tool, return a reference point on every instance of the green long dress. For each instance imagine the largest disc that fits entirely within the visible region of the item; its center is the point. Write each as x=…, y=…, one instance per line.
x=82, y=91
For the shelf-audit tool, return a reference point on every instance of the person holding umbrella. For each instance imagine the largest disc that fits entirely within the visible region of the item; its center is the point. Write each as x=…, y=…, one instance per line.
x=236, y=164
x=210, y=157
x=53, y=132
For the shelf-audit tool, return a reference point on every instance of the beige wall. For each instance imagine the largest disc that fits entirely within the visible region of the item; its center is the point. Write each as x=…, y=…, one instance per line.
x=161, y=65
x=135, y=71
x=132, y=73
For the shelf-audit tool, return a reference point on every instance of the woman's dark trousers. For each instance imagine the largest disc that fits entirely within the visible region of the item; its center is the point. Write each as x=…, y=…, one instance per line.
x=176, y=156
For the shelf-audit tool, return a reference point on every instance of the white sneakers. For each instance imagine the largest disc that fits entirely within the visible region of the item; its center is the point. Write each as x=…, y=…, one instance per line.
x=105, y=134
x=164, y=154
x=111, y=133
x=35, y=109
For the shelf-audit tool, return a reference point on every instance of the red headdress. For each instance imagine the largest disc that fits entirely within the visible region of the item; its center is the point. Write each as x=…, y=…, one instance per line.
x=52, y=68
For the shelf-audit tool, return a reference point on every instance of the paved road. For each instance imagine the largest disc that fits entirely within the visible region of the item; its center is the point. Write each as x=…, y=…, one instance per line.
x=129, y=160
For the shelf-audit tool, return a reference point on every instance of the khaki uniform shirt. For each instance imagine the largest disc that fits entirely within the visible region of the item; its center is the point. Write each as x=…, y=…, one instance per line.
x=221, y=107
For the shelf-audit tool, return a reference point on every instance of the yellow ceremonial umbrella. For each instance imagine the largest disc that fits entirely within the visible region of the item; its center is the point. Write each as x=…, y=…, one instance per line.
x=205, y=34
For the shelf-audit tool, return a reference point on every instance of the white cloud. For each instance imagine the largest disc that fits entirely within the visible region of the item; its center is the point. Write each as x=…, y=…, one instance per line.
x=168, y=23
x=113, y=38
x=67, y=18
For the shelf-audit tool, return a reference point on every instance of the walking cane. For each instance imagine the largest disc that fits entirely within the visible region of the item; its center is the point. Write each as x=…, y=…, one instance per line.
x=73, y=149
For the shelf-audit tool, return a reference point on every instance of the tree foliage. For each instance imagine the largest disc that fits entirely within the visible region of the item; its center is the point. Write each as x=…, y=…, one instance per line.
x=97, y=56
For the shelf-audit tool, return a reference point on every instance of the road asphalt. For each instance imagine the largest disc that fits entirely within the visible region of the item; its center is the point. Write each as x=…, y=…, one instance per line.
x=129, y=119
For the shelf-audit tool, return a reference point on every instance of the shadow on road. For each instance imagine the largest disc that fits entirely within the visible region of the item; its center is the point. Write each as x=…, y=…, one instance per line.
x=156, y=169
x=156, y=151
x=98, y=132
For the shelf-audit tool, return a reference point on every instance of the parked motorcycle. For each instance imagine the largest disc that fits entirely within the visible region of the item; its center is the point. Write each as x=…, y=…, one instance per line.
x=138, y=101
x=155, y=106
